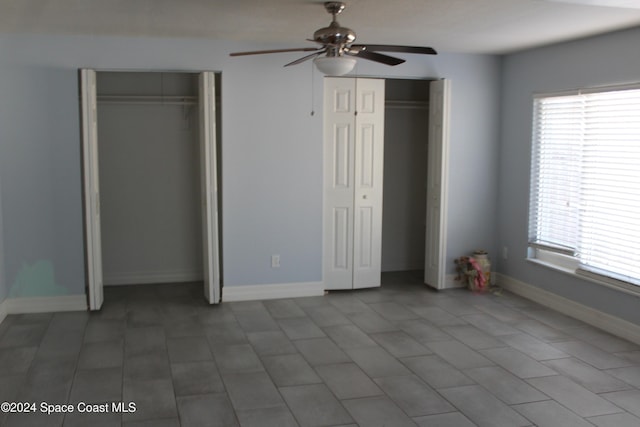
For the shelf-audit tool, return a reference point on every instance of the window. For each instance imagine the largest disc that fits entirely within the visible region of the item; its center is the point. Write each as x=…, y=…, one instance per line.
x=585, y=182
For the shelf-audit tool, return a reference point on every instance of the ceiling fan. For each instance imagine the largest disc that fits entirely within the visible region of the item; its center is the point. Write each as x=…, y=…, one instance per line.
x=336, y=54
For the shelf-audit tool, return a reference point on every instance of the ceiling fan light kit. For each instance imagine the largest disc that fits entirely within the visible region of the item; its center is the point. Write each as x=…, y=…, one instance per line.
x=337, y=54
x=334, y=65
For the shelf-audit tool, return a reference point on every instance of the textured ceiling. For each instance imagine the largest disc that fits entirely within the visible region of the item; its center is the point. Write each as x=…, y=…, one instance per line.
x=477, y=26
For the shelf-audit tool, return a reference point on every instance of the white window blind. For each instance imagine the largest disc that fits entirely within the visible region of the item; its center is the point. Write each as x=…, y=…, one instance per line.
x=585, y=194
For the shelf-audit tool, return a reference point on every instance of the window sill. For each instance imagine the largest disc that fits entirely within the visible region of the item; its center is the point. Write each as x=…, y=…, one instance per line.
x=627, y=289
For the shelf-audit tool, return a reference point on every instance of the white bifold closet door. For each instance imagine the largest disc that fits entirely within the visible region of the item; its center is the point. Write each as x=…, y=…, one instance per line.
x=93, y=240
x=353, y=171
x=437, y=171
x=209, y=187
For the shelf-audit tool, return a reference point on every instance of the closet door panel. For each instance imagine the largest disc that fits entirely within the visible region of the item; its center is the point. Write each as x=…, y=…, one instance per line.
x=438, y=159
x=341, y=234
x=364, y=245
x=209, y=187
x=369, y=161
x=91, y=188
x=339, y=151
x=340, y=156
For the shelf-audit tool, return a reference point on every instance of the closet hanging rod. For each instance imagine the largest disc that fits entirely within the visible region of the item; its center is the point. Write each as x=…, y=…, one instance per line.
x=148, y=99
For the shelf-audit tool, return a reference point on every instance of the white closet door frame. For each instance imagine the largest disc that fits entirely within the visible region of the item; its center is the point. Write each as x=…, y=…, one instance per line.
x=91, y=188
x=437, y=183
x=89, y=104
x=208, y=174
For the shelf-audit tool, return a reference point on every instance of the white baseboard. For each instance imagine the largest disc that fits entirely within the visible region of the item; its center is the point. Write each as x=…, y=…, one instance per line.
x=607, y=322
x=143, y=277
x=450, y=282
x=24, y=305
x=272, y=291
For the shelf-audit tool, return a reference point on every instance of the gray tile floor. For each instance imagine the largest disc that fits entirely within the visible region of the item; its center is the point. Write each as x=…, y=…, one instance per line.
x=395, y=356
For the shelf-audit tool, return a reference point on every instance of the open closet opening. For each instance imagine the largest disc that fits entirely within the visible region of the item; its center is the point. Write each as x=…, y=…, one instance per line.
x=406, y=135
x=151, y=179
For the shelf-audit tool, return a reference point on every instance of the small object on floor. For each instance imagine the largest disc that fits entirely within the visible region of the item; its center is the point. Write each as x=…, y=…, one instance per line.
x=469, y=270
x=495, y=290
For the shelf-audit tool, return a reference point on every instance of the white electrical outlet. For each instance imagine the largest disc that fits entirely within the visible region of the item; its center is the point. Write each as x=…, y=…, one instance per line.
x=505, y=252
x=275, y=261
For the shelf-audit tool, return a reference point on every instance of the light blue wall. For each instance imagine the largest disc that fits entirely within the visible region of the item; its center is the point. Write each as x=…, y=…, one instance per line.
x=271, y=153
x=4, y=290
x=597, y=61
x=3, y=284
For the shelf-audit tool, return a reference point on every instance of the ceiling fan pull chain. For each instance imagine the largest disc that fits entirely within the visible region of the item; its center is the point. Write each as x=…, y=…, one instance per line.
x=355, y=92
x=312, y=90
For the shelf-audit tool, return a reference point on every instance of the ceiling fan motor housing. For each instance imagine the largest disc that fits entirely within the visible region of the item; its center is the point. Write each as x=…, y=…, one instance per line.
x=334, y=35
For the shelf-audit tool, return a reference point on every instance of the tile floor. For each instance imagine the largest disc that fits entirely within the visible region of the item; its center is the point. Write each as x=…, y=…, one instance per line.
x=395, y=356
